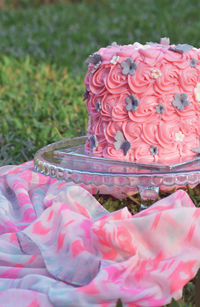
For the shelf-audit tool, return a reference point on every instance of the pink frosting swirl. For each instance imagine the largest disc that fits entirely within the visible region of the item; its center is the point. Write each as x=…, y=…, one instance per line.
x=119, y=112
x=142, y=81
x=125, y=52
x=94, y=104
x=116, y=82
x=152, y=56
x=179, y=60
x=87, y=79
x=98, y=127
x=97, y=80
x=111, y=130
x=111, y=153
x=175, y=58
x=142, y=153
x=132, y=132
x=188, y=78
x=146, y=111
x=168, y=82
x=108, y=102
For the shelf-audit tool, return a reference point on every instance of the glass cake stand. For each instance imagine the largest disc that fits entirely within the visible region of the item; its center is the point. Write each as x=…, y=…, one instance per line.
x=66, y=160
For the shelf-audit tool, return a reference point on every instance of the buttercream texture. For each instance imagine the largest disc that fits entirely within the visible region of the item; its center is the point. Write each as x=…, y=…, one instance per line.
x=150, y=94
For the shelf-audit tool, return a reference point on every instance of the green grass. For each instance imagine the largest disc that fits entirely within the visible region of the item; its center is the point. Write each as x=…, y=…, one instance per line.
x=38, y=107
x=42, y=66
x=39, y=104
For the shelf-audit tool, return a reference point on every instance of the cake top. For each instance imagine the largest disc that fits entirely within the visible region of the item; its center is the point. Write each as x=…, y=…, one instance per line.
x=142, y=64
x=150, y=53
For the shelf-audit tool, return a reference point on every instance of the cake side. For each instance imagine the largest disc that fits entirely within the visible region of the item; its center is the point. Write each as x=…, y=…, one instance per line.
x=144, y=102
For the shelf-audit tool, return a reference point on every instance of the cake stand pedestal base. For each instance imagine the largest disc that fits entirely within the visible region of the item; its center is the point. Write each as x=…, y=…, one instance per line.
x=146, y=194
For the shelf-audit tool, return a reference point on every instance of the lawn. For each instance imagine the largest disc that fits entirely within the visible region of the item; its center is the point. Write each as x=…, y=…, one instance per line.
x=42, y=61
x=42, y=64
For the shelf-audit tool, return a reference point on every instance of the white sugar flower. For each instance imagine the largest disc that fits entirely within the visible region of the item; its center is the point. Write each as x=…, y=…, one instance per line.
x=179, y=136
x=197, y=92
x=137, y=46
x=165, y=41
x=156, y=73
x=114, y=60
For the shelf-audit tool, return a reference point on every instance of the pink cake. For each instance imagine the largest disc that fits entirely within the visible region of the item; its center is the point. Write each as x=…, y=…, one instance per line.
x=144, y=102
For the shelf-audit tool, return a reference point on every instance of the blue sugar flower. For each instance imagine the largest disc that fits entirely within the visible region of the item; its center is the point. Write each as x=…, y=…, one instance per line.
x=93, y=142
x=98, y=106
x=180, y=101
x=181, y=48
x=125, y=147
x=86, y=95
x=132, y=103
x=128, y=67
x=153, y=150
x=94, y=59
x=193, y=62
x=160, y=108
x=197, y=150
x=121, y=142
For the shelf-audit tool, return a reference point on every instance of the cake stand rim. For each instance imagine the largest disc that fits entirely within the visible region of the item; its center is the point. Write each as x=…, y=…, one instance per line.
x=64, y=173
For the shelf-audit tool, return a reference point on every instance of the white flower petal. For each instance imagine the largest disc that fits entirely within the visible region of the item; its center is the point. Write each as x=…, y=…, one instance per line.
x=197, y=92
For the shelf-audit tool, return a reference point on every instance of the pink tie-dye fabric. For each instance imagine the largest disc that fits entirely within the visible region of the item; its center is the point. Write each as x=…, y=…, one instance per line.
x=60, y=247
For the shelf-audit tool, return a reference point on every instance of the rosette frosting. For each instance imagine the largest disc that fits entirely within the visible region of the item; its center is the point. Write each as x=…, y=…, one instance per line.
x=149, y=96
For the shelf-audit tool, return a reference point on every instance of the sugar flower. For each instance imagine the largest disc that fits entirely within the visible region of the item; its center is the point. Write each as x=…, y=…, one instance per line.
x=98, y=106
x=164, y=41
x=94, y=59
x=160, y=108
x=193, y=62
x=197, y=92
x=93, y=142
x=156, y=73
x=180, y=101
x=197, y=150
x=153, y=150
x=181, y=48
x=86, y=95
x=128, y=67
x=132, y=103
x=137, y=46
x=114, y=59
x=179, y=136
x=121, y=142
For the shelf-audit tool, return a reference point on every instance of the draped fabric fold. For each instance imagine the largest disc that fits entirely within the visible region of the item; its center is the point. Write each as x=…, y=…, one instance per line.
x=60, y=247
